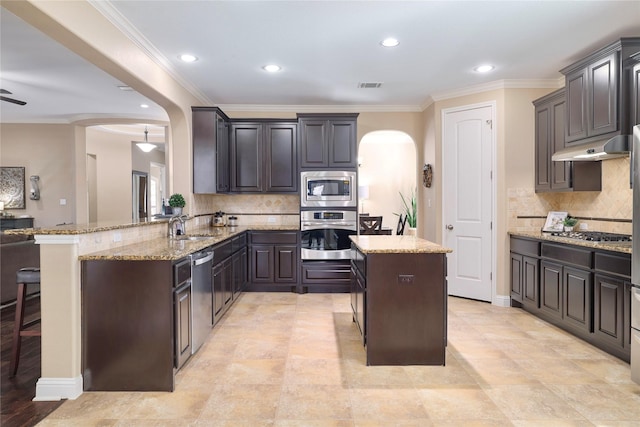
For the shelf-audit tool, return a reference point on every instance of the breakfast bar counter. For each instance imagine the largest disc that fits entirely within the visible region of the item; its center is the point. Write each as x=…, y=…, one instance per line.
x=399, y=299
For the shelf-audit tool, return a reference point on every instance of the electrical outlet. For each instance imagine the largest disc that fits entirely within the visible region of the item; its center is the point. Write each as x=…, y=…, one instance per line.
x=63, y=202
x=406, y=279
x=271, y=220
x=117, y=237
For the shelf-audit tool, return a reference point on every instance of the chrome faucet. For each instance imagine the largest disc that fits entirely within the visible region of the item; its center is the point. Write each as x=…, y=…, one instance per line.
x=183, y=226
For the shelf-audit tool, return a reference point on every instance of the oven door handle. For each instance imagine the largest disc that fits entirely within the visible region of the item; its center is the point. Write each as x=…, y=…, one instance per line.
x=323, y=226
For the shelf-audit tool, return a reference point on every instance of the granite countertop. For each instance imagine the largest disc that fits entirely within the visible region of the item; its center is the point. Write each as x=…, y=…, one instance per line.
x=624, y=247
x=95, y=227
x=372, y=244
x=164, y=248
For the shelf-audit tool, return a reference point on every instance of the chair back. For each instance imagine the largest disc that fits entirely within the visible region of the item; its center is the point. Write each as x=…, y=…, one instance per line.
x=370, y=224
x=402, y=221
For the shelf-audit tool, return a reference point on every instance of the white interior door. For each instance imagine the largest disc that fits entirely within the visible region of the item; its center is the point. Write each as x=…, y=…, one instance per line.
x=467, y=200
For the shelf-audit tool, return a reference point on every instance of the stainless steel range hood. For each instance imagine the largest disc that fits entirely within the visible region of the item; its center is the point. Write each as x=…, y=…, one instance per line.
x=618, y=146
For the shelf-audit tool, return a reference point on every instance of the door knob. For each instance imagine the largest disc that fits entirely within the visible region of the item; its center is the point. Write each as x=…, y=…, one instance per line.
x=449, y=227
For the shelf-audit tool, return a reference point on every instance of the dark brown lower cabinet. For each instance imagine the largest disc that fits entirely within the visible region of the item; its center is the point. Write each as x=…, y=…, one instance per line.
x=609, y=309
x=582, y=290
x=551, y=288
x=273, y=261
x=577, y=291
x=325, y=276
x=183, y=339
x=128, y=315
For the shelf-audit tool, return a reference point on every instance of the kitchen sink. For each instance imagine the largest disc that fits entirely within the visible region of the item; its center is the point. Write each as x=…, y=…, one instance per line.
x=187, y=237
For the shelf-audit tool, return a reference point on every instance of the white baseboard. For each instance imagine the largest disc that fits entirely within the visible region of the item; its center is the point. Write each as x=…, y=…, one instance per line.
x=52, y=389
x=502, y=300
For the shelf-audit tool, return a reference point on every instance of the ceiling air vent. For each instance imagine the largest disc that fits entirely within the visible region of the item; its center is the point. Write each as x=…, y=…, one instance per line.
x=369, y=85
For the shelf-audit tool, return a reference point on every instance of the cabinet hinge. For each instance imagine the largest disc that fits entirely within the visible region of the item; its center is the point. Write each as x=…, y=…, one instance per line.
x=491, y=276
x=491, y=225
x=490, y=123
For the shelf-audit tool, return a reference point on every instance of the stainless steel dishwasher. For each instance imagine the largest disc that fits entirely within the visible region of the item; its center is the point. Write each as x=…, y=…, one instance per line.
x=201, y=298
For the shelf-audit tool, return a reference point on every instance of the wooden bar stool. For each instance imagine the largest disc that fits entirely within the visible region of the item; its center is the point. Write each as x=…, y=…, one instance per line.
x=24, y=277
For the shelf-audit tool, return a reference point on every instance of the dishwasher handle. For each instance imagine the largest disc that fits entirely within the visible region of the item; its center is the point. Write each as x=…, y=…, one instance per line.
x=199, y=261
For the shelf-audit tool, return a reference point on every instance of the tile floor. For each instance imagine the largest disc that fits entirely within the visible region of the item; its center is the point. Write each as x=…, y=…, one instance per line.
x=282, y=359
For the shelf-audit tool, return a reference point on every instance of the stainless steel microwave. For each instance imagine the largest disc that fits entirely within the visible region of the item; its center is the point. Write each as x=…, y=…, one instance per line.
x=328, y=189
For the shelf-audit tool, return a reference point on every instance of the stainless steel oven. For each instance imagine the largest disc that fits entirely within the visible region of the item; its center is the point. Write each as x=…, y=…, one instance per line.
x=325, y=234
x=328, y=189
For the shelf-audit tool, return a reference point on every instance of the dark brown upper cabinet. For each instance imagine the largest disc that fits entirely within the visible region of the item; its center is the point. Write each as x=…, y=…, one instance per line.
x=549, y=138
x=598, y=93
x=210, y=150
x=264, y=156
x=328, y=141
x=549, y=134
x=635, y=93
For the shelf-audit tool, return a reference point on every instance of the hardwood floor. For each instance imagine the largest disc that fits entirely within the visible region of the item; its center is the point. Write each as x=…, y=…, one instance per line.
x=16, y=393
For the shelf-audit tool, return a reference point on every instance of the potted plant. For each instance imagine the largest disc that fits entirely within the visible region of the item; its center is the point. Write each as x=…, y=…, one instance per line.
x=410, y=206
x=176, y=202
x=569, y=222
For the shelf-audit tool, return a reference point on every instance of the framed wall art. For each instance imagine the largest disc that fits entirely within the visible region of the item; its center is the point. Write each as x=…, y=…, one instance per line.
x=12, y=187
x=555, y=221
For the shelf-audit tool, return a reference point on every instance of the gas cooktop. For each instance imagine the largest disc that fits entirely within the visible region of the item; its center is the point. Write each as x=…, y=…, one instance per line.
x=594, y=236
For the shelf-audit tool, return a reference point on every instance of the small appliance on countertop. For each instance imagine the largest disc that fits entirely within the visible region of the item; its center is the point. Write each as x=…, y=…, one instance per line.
x=233, y=221
x=219, y=219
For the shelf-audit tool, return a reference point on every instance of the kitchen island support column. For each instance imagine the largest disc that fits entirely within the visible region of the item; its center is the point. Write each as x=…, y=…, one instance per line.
x=60, y=310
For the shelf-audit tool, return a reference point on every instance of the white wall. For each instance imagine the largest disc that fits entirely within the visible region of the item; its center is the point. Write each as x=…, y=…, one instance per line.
x=47, y=151
x=386, y=161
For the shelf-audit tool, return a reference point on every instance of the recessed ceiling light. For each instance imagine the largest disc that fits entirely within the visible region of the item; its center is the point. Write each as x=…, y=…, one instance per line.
x=187, y=57
x=144, y=105
x=484, y=68
x=126, y=88
x=272, y=68
x=390, y=42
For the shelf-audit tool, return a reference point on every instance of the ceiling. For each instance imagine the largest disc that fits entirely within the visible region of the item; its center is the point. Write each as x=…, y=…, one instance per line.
x=325, y=48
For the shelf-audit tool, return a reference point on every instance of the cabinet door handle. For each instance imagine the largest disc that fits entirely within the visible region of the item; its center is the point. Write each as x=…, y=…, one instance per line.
x=449, y=227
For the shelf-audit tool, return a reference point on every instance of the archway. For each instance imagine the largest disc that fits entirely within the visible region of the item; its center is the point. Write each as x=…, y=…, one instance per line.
x=386, y=169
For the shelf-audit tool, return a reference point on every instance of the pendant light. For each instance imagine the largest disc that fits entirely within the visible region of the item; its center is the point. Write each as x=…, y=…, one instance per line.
x=145, y=146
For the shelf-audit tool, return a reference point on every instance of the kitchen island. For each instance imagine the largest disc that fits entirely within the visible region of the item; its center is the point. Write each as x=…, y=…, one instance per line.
x=399, y=299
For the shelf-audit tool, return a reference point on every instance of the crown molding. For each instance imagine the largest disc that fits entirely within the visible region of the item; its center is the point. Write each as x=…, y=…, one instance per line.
x=500, y=84
x=322, y=108
x=106, y=8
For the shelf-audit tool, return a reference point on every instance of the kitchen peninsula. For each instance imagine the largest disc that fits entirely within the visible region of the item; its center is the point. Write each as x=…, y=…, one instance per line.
x=62, y=251
x=399, y=299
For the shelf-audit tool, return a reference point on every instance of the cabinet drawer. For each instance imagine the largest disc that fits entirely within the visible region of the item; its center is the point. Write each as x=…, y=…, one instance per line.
x=326, y=271
x=525, y=247
x=611, y=263
x=567, y=254
x=221, y=251
x=239, y=242
x=274, y=237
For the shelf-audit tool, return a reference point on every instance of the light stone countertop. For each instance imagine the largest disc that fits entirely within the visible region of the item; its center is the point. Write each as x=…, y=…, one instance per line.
x=70, y=229
x=624, y=247
x=371, y=244
x=164, y=248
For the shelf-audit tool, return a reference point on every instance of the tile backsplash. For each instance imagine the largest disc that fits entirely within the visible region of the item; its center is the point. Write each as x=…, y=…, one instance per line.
x=252, y=209
x=614, y=203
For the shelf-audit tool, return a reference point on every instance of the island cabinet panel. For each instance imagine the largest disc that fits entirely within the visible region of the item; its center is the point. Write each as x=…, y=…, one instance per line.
x=404, y=313
x=128, y=315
